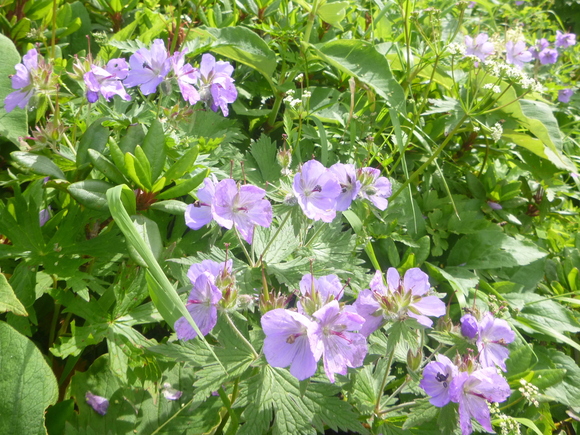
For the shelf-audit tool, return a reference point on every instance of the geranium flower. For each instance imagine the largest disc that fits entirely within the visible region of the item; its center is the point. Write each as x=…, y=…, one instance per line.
x=287, y=343
x=473, y=392
x=375, y=188
x=437, y=376
x=241, y=206
x=564, y=40
x=516, y=53
x=199, y=213
x=149, y=67
x=23, y=81
x=350, y=186
x=331, y=338
x=185, y=75
x=564, y=95
x=494, y=335
x=398, y=300
x=316, y=190
x=215, y=83
x=478, y=47
x=541, y=44
x=107, y=81
x=98, y=403
x=317, y=292
x=202, y=305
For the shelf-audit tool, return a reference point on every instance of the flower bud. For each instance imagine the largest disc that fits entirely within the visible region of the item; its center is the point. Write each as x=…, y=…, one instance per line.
x=414, y=359
x=469, y=327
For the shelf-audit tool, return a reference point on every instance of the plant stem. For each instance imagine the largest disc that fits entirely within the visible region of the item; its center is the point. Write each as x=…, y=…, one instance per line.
x=310, y=22
x=244, y=247
x=384, y=382
x=244, y=339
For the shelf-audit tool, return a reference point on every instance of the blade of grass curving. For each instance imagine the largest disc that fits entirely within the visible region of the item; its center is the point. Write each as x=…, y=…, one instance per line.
x=401, y=146
x=162, y=292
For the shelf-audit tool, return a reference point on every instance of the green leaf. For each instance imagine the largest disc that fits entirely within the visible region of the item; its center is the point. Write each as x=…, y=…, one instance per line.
x=361, y=60
x=333, y=13
x=94, y=138
x=149, y=232
x=185, y=186
x=27, y=383
x=244, y=46
x=106, y=167
x=143, y=168
x=264, y=152
x=183, y=164
x=568, y=391
x=170, y=206
x=91, y=193
x=8, y=300
x=13, y=125
x=421, y=413
x=154, y=149
x=137, y=173
x=38, y=164
x=493, y=250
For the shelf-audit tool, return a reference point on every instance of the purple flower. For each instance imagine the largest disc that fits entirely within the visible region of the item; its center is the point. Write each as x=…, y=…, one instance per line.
x=473, y=392
x=516, y=53
x=541, y=44
x=242, y=206
x=437, y=377
x=548, y=56
x=565, y=40
x=346, y=176
x=185, y=75
x=287, y=342
x=98, y=403
x=215, y=271
x=107, y=81
x=494, y=205
x=215, y=83
x=202, y=305
x=23, y=81
x=398, y=300
x=494, y=335
x=331, y=339
x=199, y=213
x=375, y=188
x=317, y=190
x=564, y=95
x=479, y=47
x=148, y=67
x=170, y=393
x=326, y=287
x=469, y=326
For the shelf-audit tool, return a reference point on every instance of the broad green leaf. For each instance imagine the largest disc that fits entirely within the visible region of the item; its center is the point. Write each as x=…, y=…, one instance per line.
x=143, y=167
x=568, y=391
x=8, y=300
x=170, y=206
x=106, y=167
x=183, y=164
x=333, y=13
x=493, y=250
x=149, y=232
x=27, y=383
x=91, y=193
x=185, y=186
x=244, y=46
x=13, y=125
x=94, y=138
x=137, y=173
x=361, y=60
x=154, y=149
x=38, y=164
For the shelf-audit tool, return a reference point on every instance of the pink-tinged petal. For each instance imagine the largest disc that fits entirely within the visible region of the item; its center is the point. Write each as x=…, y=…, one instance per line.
x=416, y=281
x=393, y=279
x=188, y=92
x=430, y=306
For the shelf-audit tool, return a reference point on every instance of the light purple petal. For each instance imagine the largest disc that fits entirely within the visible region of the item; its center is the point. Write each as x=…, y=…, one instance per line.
x=416, y=281
x=98, y=403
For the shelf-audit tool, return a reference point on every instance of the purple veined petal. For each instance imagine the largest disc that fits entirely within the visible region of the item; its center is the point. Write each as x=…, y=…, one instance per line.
x=22, y=77
x=222, y=67
x=287, y=343
x=564, y=95
x=393, y=279
x=30, y=59
x=112, y=88
x=494, y=335
x=430, y=306
x=209, y=267
x=188, y=92
x=198, y=215
x=421, y=319
x=118, y=68
x=416, y=281
x=98, y=403
x=548, y=56
x=350, y=186
x=330, y=285
x=17, y=99
x=259, y=210
x=316, y=190
x=206, y=65
x=150, y=83
x=437, y=377
x=225, y=191
x=377, y=284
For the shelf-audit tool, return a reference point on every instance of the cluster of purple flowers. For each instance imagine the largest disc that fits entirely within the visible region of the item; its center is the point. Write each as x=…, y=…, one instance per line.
x=321, y=327
x=148, y=68
x=230, y=204
x=472, y=383
x=210, y=281
x=321, y=192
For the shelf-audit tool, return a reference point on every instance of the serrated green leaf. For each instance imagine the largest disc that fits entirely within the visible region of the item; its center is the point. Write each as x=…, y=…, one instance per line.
x=421, y=413
x=8, y=300
x=264, y=152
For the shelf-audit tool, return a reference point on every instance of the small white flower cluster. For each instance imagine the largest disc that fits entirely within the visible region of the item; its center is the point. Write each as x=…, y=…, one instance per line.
x=499, y=69
x=299, y=77
x=496, y=132
x=294, y=102
x=507, y=424
x=455, y=48
x=494, y=88
x=529, y=391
